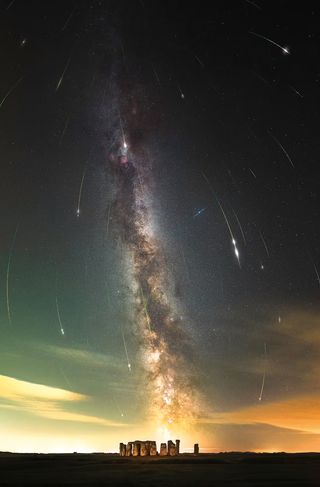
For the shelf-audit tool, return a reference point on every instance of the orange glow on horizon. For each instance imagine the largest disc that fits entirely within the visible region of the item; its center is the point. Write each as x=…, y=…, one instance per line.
x=300, y=413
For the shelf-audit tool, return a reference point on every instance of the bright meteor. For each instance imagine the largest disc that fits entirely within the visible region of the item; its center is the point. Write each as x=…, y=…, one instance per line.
x=80, y=191
x=284, y=49
x=233, y=240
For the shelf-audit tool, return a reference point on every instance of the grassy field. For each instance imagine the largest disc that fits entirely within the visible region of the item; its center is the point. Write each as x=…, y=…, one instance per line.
x=223, y=469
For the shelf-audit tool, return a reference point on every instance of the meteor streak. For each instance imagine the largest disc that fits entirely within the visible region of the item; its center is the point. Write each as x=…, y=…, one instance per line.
x=197, y=213
x=144, y=303
x=240, y=226
x=59, y=317
x=8, y=273
x=199, y=61
x=284, y=49
x=122, y=132
x=116, y=404
x=296, y=91
x=69, y=18
x=64, y=130
x=10, y=91
x=80, y=191
x=282, y=148
x=314, y=266
x=125, y=349
x=233, y=240
x=63, y=73
x=317, y=273
x=254, y=4
x=181, y=93
x=264, y=372
x=10, y=4
x=64, y=376
x=264, y=244
x=108, y=218
x=236, y=251
x=58, y=309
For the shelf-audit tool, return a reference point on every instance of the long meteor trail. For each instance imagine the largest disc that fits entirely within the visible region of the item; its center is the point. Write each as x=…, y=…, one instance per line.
x=59, y=316
x=264, y=244
x=125, y=349
x=10, y=91
x=233, y=240
x=80, y=191
x=264, y=372
x=284, y=49
x=282, y=148
x=58, y=308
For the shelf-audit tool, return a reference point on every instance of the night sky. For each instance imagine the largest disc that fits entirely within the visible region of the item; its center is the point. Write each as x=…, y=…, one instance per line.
x=159, y=208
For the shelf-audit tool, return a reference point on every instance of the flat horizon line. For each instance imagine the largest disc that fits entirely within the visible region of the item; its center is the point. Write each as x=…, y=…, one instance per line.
x=226, y=452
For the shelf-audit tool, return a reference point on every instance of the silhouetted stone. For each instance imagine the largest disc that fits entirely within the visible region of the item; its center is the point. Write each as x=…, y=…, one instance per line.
x=148, y=447
x=143, y=450
x=196, y=449
x=153, y=448
x=171, y=449
x=122, y=450
x=163, y=449
x=177, y=447
x=136, y=449
x=129, y=450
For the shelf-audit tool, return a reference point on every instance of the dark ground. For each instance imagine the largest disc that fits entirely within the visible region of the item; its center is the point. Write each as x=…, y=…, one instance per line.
x=223, y=469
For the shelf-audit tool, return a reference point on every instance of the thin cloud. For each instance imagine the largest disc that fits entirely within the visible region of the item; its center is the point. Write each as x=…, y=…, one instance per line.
x=84, y=357
x=45, y=401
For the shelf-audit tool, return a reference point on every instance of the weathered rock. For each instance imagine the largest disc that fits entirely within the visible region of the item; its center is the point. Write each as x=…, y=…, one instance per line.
x=122, y=450
x=136, y=449
x=143, y=449
x=153, y=448
x=177, y=447
x=129, y=449
x=148, y=447
x=163, y=449
x=171, y=449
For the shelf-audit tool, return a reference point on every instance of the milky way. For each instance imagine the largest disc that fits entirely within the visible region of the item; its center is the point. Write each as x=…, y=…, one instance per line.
x=157, y=322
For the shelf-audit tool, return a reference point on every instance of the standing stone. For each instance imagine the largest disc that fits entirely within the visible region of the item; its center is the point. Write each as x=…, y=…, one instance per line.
x=196, y=449
x=136, y=449
x=153, y=448
x=177, y=447
x=148, y=447
x=143, y=450
x=122, y=450
x=163, y=449
x=171, y=449
x=129, y=449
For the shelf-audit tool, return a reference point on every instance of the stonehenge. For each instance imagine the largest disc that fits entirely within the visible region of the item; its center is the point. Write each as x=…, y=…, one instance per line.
x=140, y=448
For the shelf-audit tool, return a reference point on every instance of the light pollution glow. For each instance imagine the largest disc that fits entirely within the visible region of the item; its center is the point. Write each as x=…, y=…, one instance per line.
x=37, y=419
